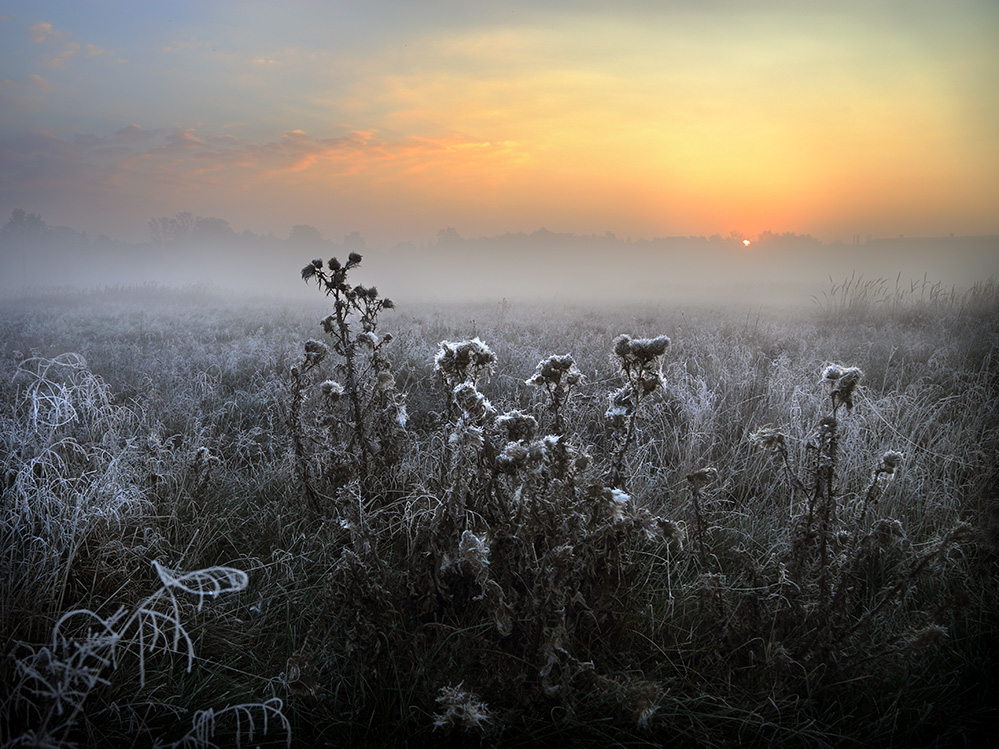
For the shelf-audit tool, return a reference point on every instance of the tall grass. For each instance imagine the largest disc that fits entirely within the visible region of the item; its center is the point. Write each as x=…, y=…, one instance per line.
x=498, y=525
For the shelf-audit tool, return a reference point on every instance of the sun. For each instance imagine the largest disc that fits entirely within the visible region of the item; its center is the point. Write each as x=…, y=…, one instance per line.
x=746, y=243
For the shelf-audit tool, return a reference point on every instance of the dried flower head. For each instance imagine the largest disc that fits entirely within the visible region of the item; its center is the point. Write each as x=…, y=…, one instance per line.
x=458, y=361
x=672, y=534
x=386, y=380
x=518, y=425
x=515, y=455
x=315, y=352
x=617, y=502
x=885, y=531
x=702, y=477
x=556, y=371
x=466, y=435
x=769, y=439
x=461, y=709
x=474, y=550
x=926, y=638
x=472, y=402
x=889, y=462
x=842, y=382
x=331, y=389
x=639, y=351
x=622, y=406
x=647, y=349
x=831, y=375
x=368, y=338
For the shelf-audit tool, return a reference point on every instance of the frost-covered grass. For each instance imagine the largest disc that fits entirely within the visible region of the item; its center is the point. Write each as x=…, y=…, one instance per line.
x=498, y=524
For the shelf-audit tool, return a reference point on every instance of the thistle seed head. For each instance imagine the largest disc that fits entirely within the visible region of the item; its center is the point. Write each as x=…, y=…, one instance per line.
x=472, y=402
x=702, y=477
x=386, y=380
x=831, y=375
x=769, y=439
x=926, y=638
x=672, y=534
x=518, y=426
x=461, y=360
x=368, y=339
x=647, y=349
x=514, y=456
x=556, y=371
x=462, y=709
x=474, y=550
x=315, y=352
x=842, y=382
x=332, y=390
x=639, y=351
x=889, y=462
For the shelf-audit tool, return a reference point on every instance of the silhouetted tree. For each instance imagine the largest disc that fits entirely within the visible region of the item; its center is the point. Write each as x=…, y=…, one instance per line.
x=354, y=241
x=212, y=229
x=175, y=230
x=23, y=227
x=305, y=235
x=448, y=236
x=22, y=230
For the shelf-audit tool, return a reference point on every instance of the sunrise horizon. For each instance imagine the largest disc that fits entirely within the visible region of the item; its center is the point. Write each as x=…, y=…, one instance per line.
x=684, y=120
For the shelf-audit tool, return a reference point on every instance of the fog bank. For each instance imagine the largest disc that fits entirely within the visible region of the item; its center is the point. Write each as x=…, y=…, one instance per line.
x=541, y=266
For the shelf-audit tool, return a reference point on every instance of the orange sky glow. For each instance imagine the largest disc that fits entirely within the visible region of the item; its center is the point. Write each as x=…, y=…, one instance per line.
x=693, y=118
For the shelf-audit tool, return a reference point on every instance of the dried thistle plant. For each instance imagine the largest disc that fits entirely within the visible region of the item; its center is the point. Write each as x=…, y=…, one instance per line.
x=639, y=361
x=558, y=376
x=373, y=427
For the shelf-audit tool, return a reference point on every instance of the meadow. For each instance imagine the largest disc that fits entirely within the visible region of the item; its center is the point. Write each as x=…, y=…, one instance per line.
x=237, y=521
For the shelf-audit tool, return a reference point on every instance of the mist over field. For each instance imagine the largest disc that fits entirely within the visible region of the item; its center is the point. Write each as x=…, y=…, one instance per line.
x=540, y=266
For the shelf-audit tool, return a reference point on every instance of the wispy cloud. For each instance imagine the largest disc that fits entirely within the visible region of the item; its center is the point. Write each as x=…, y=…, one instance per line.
x=133, y=155
x=43, y=32
x=60, y=46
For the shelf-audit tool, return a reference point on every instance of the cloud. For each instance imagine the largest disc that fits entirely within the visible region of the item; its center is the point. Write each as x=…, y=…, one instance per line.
x=38, y=82
x=159, y=163
x=21, y=97
x=63, y=55
x=42, y=32
x=132, y=132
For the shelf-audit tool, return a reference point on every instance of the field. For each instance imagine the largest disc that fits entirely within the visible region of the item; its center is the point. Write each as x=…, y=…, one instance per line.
x=238, y=521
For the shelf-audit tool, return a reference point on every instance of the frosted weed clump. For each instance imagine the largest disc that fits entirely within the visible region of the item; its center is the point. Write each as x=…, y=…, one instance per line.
x=55, y=681
x=835, y=550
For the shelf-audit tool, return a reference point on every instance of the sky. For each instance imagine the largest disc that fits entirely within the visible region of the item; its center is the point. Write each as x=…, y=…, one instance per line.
x=397, y=119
